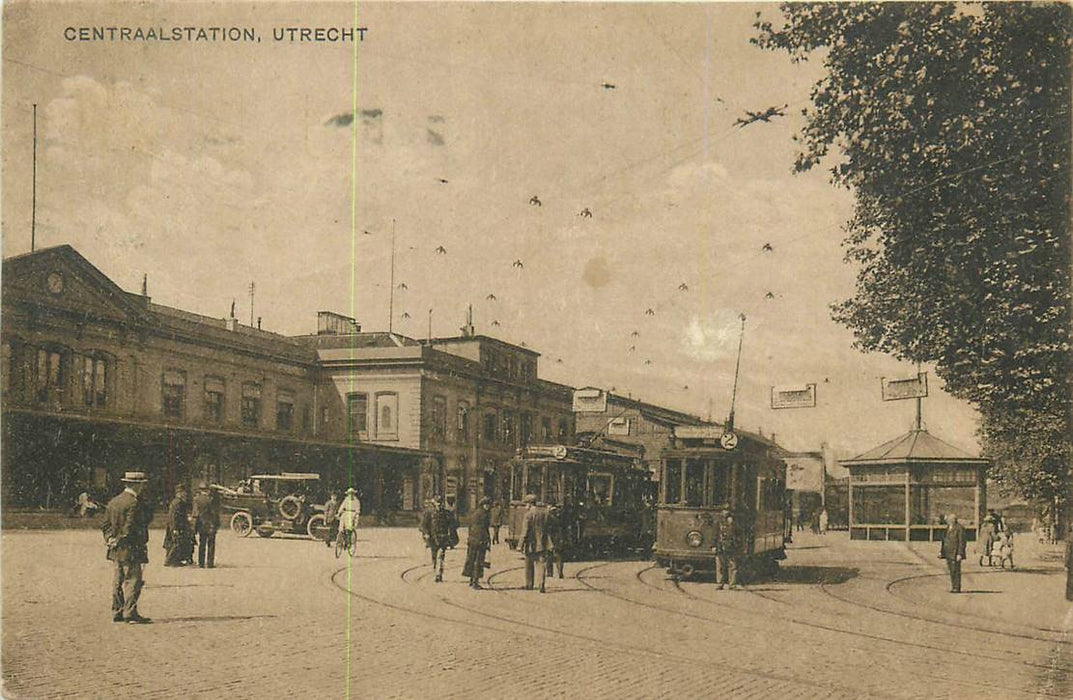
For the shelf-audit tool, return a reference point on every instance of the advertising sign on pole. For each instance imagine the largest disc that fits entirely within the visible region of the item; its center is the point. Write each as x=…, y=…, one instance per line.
x=911, y=388
x=793, y=396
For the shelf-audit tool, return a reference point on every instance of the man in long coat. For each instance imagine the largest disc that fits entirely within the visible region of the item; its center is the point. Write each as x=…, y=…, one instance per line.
x=535, y=542
x=439, y=528
x=126, y=533
x=477, y=543
x=728, y=551
x=206, y=522
x=178, y=539
x=953, y=551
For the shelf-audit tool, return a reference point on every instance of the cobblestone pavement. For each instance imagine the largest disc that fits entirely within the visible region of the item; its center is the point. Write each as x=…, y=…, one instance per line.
x=282, y=616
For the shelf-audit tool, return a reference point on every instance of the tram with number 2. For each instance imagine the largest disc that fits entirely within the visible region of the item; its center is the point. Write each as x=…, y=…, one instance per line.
x=707, y=474
x=606, y=497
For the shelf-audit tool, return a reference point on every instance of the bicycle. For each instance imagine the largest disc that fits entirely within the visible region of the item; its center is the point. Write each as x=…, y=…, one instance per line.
x=346, y=540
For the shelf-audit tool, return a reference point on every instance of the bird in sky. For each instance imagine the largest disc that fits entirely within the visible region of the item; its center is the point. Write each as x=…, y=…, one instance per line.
x=441, y=250
x=685, y=387
x=367, y=233
x=634, y=334
x=769, y=295
x=559, y=361
x=720, y=99
x=535, y=201
x=518, y=263
x=491, y=297
x=648, y=362
x=683, y=287
x=632, y=348
x=766, y=116
x=767, y=248
x=441, y=181
x=495, y=323
x=405, y=315
x=585, y=213
x=402, y=285
x=649, y=312
x=607, y=86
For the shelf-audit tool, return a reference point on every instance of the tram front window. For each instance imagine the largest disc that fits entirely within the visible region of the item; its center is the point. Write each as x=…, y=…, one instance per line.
x=600, y=489
x=694, y=483
x=720, y=483
x=534, y=480
x=554, y=493
x=672, y=481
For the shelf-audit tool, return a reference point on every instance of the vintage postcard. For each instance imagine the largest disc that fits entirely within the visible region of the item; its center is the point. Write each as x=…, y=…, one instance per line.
x=495, y=349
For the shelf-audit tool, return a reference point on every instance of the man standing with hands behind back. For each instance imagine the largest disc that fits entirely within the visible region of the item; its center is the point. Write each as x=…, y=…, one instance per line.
x=206, y=522
x=953, y=550
x=126, y=532
x=535, y=542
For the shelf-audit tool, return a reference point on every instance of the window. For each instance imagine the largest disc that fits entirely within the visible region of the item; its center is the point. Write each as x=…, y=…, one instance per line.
x=488, y=434
x=672, y=481
x=50, y=375
x=357, y=415
x=507, y=432
x=545, y=430
x=284, y=410
x=600, y=489
x=94, y=380
x=564, y=430
x=526, y=431
x=438, y=418
x=618, y=426
x=510, y=367
x=251, y=404
x=720, y=485
x=694, y=495
x=463, y=421
x=214, y=399
x=174, y=393
x=387, y=416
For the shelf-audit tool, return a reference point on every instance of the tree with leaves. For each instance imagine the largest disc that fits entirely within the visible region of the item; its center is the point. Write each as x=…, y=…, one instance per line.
x=950, y=123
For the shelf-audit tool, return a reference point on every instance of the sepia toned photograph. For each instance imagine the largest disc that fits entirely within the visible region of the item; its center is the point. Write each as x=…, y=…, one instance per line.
x=536, y=350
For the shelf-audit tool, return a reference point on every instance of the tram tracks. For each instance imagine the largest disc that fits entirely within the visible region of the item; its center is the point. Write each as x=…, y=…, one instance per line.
x=971, y=658
x=508, y=625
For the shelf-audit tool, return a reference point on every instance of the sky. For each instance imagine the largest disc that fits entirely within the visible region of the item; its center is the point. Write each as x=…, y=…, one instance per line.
x=211, y=165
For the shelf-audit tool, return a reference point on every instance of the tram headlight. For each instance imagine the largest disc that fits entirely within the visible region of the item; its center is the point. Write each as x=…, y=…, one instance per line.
x=694, y=538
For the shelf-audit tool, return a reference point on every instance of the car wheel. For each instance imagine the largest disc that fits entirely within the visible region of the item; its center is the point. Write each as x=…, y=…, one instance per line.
x=317, y=528
x=242, y=524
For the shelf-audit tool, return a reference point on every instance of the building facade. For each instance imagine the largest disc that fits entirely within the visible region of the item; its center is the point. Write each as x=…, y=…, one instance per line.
x=602, y=416
x=471, y=399
x=97, y=381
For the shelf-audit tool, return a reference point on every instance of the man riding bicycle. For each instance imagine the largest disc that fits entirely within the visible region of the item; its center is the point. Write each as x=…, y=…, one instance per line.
x=348, y=514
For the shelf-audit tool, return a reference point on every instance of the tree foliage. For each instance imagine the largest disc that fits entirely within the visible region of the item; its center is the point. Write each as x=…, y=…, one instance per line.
x=951, y=126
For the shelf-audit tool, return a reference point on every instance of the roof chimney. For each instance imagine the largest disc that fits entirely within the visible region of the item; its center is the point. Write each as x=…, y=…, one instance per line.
x=468, y=331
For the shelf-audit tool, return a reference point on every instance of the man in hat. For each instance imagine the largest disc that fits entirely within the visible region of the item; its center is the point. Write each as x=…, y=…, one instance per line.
x=558, y=528
x=728, y=548
x=535, y=542
x=477, y=543
x=331, y=518
x=348, y=514
x=126, y=532
x=953, y=550
x=206, y=523
x=178, y=539
x=439, y=528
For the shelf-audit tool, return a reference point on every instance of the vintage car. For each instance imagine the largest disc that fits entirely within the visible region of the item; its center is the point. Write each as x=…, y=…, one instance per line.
x=289, y=502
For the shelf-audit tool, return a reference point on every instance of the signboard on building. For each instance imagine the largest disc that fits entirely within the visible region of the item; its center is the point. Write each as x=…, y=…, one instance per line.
x=590, y=400
x=911, y=388
x=793, y=396
x=804, y=472
x=619, y=427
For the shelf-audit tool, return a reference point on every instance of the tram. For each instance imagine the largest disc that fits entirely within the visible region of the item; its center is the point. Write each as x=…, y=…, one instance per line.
x=707, y=474
x=606, y=497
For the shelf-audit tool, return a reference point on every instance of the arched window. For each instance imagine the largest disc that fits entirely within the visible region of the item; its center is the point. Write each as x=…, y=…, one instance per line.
x=173, y=395
x=94, y=370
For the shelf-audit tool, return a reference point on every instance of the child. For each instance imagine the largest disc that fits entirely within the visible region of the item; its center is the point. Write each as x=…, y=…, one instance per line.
x=1003, y=550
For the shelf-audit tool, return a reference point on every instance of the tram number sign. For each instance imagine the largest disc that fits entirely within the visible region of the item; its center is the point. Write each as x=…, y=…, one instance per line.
x=728, y=440
x=793, y=396
x=911, y=388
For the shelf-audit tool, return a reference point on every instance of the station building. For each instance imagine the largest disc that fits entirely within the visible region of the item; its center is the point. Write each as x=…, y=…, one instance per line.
x=470, y=399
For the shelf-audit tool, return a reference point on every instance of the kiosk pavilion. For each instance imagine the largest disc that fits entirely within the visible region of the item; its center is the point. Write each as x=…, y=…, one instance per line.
x=904, y=489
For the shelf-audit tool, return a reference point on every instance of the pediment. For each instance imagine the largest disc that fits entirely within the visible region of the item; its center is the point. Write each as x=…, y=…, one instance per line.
x=62, y=280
